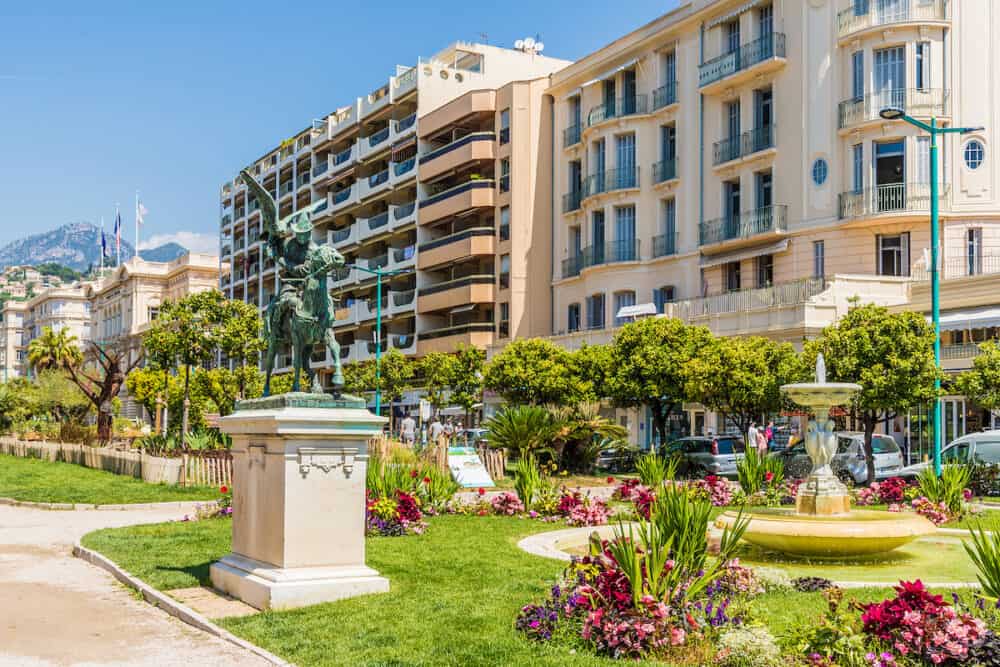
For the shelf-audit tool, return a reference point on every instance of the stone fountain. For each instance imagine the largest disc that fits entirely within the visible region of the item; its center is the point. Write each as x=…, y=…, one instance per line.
x=823, y=525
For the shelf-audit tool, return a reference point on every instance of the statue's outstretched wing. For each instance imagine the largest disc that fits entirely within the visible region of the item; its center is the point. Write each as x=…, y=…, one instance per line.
x=268, y=210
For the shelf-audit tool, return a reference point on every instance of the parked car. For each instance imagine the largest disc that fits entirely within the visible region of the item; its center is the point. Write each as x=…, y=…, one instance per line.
x=983, y=447
x=849, y=461
x=706, y=455
x=474, y=436
x=617, y=460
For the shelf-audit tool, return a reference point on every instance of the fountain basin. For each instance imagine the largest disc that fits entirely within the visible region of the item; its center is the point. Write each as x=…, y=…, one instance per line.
x=821, y=394
x=856, y=533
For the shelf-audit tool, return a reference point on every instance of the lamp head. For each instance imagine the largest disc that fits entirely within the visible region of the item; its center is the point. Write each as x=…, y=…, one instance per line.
x=971, y=130
x=891, y=113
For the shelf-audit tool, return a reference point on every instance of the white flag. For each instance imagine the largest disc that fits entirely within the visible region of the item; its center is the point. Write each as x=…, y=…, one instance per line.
x=140, y=213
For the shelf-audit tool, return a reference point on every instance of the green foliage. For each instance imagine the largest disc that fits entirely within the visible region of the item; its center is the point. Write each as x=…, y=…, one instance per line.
x=433, y=486
x=436, y=369
x=949, y=488
x=53, y=395
x=984, y=551
x=535, y=371
x=145, y=384
x=742, y=377
x=647, y=365
x=752, y=469
x=197, y=441
x=580, y=433
x=981, y=384
x=527, y=479
x=158, y=444
x=654, y=469
x=591, y=364
x=224, y=386
x=54, y=350
x=837, y=636
x=466, y=378
x=64, y=273
x=525, y=429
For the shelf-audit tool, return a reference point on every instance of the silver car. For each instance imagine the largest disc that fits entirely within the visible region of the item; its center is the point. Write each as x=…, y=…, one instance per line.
x=706, y=455
x=849, y=461
x=981, y=447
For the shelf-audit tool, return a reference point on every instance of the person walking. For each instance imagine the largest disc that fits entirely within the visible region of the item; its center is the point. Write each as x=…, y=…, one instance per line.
x=436, y=430
x=408, y=430
x=769, y=435
x=752, y=435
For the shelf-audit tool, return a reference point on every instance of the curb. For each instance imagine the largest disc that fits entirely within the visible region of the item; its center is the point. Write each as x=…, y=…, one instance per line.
x=174, y=504
x=179, y=611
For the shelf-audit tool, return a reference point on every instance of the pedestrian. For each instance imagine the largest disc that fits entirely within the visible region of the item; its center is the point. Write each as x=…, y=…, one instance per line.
x=408, y=430
x=752, y=435
x=436, y=430
x=449, y=430
x=761, y=443
x=769, y=435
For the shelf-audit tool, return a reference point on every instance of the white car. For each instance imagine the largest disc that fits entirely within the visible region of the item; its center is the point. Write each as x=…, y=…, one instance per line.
x=981, y=447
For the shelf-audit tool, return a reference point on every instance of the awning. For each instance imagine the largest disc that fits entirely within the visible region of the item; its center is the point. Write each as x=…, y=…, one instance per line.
x=974, y=318
x=638, y=310
x=729, y=16
x=463, y=309
x=743, y=253
x=576, y=92
x=610, y=73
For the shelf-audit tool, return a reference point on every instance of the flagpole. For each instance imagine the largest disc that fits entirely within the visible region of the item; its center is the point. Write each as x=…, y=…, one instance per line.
x=136, y=223
x=102, y=247
x=118, y=235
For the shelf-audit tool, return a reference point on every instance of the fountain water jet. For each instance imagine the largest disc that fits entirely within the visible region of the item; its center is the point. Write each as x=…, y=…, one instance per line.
x=822, y=525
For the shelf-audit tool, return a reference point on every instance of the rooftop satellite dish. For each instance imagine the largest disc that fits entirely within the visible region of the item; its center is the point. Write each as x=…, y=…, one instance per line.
x=519, y=44
x=539, y=47
x=529, y=42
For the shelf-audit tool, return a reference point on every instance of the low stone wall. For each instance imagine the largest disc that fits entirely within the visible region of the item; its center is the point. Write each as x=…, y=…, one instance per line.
x=152, y=469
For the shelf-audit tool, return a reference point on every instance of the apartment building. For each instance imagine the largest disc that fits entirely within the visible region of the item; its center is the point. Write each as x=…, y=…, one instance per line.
x=434, y=176
x=12, y=345
x=58, y=308
x=727, y=164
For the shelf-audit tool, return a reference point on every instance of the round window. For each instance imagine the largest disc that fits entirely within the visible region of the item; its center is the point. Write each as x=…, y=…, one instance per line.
x=820, y=171
x=975, y=153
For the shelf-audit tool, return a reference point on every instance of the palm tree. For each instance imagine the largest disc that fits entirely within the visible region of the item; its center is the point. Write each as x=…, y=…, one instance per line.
x=54, y=349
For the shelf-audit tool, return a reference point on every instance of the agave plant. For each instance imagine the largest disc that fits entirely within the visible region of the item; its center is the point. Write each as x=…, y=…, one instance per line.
x=654, y=469
x=527, y=479
x=752, y=470
x=526, y=429
x=949, y=488
x=198, y=441
x=985, y=553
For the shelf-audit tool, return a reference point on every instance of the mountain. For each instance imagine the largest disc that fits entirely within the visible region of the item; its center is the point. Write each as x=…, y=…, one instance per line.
x=76, y=245
x=164, y=253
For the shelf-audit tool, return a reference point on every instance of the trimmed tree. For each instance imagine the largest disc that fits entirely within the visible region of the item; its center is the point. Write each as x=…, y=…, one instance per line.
x=534, y=371
x=647, y=365
x=102, y=381
x=239, y=336
x=891, y=355
x=467, y=379
x=437, y=370
x=742, y=377
x=981, y=383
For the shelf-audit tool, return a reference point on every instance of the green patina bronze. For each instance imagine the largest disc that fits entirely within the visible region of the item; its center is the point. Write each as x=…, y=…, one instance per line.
x=299, y=400
x=300, y=316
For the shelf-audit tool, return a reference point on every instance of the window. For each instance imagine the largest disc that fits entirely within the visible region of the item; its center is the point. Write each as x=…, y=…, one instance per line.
x=893, y=254
x=819, y=259
x=975, y=153
x=623, y=300
x=597, y=235
x=732, y=36
x=625, y=151
x=626, y=247
x=820, y=170
x=573, y=317
x=505, y=175
x=974, y=251
x=504, y=271
x=595, y=311
x=662, y=296
x=732, y=275
x=504, y=324
x=764, y=270
x=668, y=142
x=505, y=223
x=858, y=74
x=763, y=189
x=505, y=127
x=923, y=67
x=923, y=160
x=152, y=312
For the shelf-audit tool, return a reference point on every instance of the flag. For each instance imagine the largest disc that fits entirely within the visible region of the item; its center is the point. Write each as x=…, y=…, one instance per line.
x=118, y=231
x=140, y=213
x=104, y=245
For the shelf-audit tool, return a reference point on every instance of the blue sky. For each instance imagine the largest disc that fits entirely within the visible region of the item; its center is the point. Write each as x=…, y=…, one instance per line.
x=99, y=99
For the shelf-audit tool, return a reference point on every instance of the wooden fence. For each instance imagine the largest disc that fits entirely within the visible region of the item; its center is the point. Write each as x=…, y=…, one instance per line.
x=207, y=469
x=495, y=461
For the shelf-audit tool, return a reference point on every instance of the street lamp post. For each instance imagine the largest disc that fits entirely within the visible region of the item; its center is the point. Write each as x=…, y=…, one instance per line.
x=897, y=113
x=378, y=272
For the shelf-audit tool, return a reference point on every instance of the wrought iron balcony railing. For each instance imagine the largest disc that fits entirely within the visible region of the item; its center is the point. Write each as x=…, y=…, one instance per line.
x=745, y=225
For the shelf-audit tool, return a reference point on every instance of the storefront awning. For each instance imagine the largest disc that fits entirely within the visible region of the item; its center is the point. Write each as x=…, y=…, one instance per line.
x=743, y=253
x=974, y=318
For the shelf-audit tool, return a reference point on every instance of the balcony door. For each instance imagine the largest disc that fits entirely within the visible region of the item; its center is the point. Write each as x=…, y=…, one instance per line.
x=668, y=142
x=891, y=11
x=597, y=237
x=890, y=78
x=890, y=182
x=599, y=162
x=609, y=98
x=628, y=92
x=669, y=68
x=624, y=234
x=731, y=208
x=625, y=157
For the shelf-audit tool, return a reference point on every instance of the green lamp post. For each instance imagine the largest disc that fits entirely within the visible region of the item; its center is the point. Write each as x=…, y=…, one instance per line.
x=378, y=272
x=897, y=113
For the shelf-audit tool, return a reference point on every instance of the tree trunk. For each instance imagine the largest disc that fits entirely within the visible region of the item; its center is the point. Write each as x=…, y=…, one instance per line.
x=242, y=371
x=104, y=425
x=187, y=401
x=660, y=414
x=869, y=418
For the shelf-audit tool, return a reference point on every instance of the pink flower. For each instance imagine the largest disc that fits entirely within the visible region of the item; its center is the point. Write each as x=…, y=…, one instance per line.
x=677, y=636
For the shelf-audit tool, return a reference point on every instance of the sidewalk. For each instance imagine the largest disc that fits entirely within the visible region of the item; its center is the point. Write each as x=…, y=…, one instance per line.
x=58, y=610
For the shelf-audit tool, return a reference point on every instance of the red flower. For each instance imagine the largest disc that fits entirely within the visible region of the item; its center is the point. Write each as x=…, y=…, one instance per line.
x=481, y=491
x=610, y=480
x=768, y=475
x=427, y=480
x=413, y=474
x=224, y=489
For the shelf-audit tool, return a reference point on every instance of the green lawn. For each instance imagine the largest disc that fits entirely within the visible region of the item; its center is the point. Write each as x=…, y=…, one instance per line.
x=455, y=593
x=46, y=482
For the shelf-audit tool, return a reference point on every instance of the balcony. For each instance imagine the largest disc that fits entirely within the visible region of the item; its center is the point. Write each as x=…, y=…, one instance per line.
x=402, y=301
x=336, y=162
x=928, y=103
x=474, y=193
x=457, y=292
x=227, y=219
x=404, y=126
x=611, y=180
x=793, y=293
x=402, y=258
x=470, y=148
x=375, y=101
x=405, y=343
x=342, y=238
x=866, y=15
x=893, y=199
x=665, y=245
x=763, y=55
x=344, y=198
x=404, y=170
x=571, y=136
x=448, y=339
x=609, y=253
x=747, y=225
x=344, y=119
x=476, y=241
x=303, y=180
x=321, y=167
x=620, y=108
x=571, y=200
x=404, y=83
x=373, y=226
x=402, y=214
x=734, y=148
x=665, y=96
x=374, y=184
x=665, y=170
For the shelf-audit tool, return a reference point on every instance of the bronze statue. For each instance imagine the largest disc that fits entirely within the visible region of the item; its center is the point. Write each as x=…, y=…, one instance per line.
x=300, y=315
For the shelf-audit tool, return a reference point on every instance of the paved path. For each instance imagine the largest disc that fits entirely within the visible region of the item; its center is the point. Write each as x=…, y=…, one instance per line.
x=58, y=610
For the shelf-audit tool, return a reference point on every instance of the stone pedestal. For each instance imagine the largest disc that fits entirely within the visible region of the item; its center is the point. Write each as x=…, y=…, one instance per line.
x=822, y=495
x=299, y=466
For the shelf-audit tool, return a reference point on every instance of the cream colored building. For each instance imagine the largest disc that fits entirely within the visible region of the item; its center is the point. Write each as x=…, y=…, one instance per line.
x=726, y=163
x=440, y=173
x=12, y=344
x=58, y=308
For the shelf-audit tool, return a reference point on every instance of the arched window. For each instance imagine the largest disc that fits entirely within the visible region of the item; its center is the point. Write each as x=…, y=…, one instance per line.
x=820, y=171
x=975, y=153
